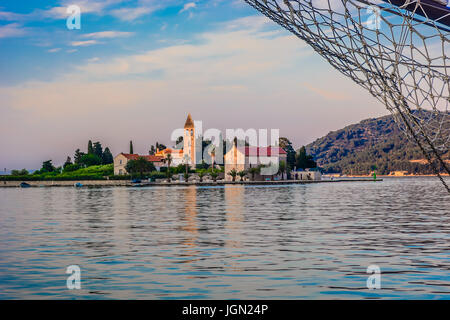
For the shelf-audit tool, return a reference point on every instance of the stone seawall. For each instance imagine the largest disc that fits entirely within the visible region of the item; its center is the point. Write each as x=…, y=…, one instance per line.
x=127, y=183
x=87, y=183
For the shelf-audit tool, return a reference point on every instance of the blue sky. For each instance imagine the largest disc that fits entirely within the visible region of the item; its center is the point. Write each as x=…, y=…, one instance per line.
x=30, y=30
x=136, y=68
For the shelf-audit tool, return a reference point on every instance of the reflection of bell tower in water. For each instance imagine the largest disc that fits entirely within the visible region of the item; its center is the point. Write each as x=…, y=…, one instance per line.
x=189, y=140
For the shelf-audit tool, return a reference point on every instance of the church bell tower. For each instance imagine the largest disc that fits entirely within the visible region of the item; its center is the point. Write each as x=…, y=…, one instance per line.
x=189, y=140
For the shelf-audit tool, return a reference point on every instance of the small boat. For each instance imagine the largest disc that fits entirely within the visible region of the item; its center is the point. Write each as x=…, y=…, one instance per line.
x=136, y=181
x=78, y=185
x=24, y=185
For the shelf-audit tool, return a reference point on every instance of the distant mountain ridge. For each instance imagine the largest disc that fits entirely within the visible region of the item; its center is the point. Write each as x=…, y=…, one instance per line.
x=357, y=148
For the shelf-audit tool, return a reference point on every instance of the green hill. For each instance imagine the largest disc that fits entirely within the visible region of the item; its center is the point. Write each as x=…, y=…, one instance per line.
x=357, y=148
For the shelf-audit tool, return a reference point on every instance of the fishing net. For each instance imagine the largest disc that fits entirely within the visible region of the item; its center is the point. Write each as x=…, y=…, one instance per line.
x=397, y=50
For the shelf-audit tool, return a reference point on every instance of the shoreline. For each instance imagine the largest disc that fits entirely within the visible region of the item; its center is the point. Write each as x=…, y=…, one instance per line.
x=127, y=183
x=394, y=176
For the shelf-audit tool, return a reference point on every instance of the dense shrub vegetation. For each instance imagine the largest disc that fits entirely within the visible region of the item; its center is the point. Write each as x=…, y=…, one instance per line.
x=100, y=172
x=373, y=143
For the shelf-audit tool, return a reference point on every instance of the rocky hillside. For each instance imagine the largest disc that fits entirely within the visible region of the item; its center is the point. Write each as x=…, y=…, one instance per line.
x=358, y=148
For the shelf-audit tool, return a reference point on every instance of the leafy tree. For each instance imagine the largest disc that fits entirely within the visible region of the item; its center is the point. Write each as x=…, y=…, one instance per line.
x=178, y=169
x=152, y=151
x=131, y=147
x=23, y=172
x=304, y=160
x=202, y=165
x=140, y=165
x=107, y=157
x=286, y=145
x=233, y=174
x=88, y=160
x=47, y=166
x=242, y=174
x=90, y=148
x=98, y=149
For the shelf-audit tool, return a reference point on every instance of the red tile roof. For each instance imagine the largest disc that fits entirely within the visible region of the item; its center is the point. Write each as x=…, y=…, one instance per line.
x=137, y=156
x=264, y=151
x=169, y=150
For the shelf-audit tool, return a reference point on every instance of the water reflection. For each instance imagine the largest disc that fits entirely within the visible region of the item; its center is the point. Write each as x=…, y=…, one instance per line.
x=190, y=225
x=234, y=199
x=306, y=241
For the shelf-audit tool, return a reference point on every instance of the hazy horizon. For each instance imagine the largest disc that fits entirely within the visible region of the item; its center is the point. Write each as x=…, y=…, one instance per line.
x=136, y=68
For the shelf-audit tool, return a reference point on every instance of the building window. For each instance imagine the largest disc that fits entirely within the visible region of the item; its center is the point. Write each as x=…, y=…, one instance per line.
x=120, y=161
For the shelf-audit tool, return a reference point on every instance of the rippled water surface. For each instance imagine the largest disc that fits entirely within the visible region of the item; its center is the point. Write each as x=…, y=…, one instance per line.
x=279, y=242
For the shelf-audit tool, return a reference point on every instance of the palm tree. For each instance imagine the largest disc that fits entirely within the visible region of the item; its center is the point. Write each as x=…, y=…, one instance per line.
x=201, y=173
x=213, y=156
x=214, y=174
x=253, y=171
x=272, y=176
x=242, y=174
x=233, y=173
x=186, y=160
x=168, y=160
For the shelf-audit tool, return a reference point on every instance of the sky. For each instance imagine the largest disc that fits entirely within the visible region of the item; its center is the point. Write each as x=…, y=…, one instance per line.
x=137, y=67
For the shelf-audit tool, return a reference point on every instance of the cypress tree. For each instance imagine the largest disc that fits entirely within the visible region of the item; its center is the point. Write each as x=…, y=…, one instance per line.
x=107, y=157
x=131, y=147
x=90, y=147
x=98, y=149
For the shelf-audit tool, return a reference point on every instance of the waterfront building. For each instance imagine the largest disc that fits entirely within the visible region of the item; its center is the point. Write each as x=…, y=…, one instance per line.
x=176, y=154
x=121, y=160
x=307, y=174
x=244, y=158
x=399, y=173
x=238, y=158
